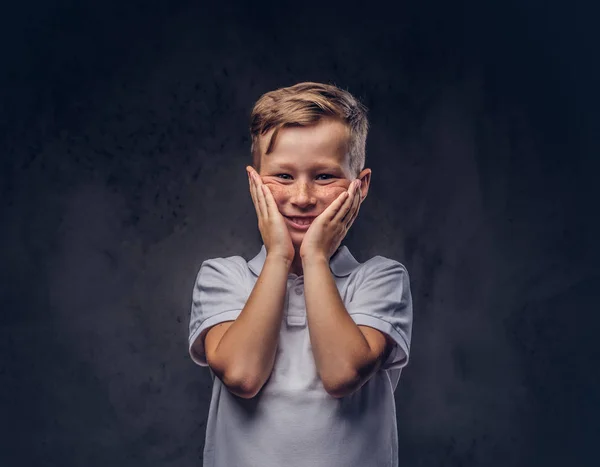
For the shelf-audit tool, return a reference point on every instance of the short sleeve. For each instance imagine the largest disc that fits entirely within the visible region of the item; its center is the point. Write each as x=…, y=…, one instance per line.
x=382, y=300
x=219, y=295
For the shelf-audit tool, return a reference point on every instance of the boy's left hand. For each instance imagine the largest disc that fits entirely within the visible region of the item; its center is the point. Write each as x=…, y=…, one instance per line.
x=329, y=228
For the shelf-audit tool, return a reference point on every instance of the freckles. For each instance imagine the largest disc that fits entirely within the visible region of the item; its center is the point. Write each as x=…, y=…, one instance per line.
x=336, y=190
x=276, y=190
x=332, y=192
x=328, y=194
x=325, y=193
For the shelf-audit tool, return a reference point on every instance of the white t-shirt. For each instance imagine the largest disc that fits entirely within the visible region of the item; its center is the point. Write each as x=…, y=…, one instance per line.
x=293, y=421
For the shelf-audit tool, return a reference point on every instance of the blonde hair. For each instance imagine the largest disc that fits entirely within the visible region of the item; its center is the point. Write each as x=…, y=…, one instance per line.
x=305, y=104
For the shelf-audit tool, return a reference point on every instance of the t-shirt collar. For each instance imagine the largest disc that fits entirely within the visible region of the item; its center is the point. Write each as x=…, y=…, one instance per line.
x=341, y=263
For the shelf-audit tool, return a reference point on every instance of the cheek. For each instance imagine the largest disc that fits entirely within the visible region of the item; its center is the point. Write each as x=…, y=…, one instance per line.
x=330, y=193
x=325, y=194
x=278, y=191
x=327, y=191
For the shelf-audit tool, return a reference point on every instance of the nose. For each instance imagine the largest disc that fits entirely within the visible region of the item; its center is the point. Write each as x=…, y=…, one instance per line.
x=302, y=195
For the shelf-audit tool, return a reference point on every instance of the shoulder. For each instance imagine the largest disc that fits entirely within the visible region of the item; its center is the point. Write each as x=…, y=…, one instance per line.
x=379, y=277
x=382, y=266
x=233, y=262
x=233, y=268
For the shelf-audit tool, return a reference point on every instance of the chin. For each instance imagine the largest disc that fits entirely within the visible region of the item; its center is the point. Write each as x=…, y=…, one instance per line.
x=296, y=239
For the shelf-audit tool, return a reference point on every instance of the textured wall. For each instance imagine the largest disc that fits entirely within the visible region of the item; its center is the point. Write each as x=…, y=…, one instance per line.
x=123, y=135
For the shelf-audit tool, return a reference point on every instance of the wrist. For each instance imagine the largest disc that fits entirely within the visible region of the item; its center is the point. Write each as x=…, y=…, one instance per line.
x=314, y=258
x=278, y=258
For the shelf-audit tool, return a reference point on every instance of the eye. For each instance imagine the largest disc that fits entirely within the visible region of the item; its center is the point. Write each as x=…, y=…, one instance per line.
x=287, y=175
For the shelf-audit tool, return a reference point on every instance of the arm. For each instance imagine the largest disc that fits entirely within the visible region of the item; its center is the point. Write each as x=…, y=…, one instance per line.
x=346, y=355
x=244, y=355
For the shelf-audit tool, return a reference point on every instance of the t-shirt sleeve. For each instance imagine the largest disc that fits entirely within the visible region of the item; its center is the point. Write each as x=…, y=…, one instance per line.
x=219, y=295
x=383, y=301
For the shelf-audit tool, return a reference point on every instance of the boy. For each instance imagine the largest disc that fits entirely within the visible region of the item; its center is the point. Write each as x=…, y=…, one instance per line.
x=306, y=343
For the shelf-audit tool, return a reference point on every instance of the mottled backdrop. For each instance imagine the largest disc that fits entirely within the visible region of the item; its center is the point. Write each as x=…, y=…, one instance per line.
x=123, y=141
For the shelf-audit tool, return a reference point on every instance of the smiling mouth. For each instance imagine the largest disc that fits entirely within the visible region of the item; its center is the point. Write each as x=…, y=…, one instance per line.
x=301, y=220
x=301, y=223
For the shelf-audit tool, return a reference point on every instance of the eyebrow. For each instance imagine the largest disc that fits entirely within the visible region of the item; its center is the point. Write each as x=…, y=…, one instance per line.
x=321, y=166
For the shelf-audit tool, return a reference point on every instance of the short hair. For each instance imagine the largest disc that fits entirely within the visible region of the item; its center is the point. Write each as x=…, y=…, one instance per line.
x=305, y=104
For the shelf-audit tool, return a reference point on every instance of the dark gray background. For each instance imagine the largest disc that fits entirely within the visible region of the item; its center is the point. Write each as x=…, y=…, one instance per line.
x=123, y=134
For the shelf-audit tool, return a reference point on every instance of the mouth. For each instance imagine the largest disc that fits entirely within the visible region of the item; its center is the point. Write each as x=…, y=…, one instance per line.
x=300, y=223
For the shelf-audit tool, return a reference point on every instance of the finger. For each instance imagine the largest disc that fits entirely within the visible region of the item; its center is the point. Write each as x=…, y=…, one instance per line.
x=256, y=191
x=253, y=194
x=332, y=212
x=261, y=196
x=270, y=202
x=355, y=205
x=346, y=208
x=355, y=209
x=358, y=201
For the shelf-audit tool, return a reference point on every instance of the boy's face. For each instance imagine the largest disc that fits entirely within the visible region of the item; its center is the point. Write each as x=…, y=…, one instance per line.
x=308, y=169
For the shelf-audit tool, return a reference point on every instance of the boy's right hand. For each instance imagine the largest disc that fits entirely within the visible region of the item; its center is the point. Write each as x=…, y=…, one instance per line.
x=271, y=223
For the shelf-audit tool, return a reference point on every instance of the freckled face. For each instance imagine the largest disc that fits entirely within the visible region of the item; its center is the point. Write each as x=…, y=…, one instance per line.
x=307, y=169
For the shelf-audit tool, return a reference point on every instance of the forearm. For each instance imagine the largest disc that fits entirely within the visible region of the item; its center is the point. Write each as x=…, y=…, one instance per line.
x=247, y=350
x=339, y=347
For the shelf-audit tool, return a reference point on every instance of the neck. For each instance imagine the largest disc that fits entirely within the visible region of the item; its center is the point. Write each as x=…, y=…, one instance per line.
x=296, y=267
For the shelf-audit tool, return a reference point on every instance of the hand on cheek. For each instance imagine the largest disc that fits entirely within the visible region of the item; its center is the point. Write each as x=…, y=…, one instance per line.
x=271, y=223
x=329, y=228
